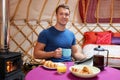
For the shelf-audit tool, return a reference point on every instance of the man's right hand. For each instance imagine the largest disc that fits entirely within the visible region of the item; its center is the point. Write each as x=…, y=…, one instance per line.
x=57, y=53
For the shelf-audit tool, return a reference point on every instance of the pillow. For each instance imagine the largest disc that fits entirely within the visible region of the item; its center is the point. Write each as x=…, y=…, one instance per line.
x=104, y=37
x=116, y=40
x=90, y=38
x=116, y=34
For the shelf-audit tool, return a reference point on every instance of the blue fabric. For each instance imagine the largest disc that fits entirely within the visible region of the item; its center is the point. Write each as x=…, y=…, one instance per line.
x=57, y=39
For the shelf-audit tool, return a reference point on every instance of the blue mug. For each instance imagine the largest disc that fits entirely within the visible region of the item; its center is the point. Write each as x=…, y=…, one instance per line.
x=66, y=52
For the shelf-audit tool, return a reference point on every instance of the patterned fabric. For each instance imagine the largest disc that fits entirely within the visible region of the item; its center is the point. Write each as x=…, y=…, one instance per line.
x=97, y=37
x=104, y=37
x=102, y=10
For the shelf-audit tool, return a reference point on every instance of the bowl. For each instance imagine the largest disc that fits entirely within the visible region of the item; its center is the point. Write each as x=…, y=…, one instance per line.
x=78, y=71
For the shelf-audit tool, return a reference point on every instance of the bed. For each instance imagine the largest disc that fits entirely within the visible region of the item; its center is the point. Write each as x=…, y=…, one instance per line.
x=107, y=40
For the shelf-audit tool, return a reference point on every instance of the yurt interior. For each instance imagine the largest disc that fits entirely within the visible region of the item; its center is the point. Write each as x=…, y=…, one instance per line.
x=95, y=23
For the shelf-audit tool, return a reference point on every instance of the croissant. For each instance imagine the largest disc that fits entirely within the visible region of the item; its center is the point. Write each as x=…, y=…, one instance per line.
x=75, y=69
x=86, y=70
x=50, y=64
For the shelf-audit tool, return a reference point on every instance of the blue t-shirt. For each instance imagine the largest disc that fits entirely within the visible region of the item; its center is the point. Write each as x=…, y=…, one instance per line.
x=54, y=39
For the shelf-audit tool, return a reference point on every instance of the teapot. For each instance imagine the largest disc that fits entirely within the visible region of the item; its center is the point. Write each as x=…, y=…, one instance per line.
x=99, y=59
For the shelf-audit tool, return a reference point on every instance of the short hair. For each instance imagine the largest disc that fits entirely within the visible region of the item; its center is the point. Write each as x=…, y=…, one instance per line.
x=62, y=6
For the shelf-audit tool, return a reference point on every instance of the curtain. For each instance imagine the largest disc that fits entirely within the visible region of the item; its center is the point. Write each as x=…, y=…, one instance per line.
x=99, y=11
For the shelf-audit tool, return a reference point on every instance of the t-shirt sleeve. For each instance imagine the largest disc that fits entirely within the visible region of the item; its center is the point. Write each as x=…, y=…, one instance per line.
x=42, y=37
x=74, y=40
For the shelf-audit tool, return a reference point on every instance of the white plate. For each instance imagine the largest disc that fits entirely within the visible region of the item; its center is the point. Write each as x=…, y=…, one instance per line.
x=52, y=67
x=48, y=67
x=95, y=71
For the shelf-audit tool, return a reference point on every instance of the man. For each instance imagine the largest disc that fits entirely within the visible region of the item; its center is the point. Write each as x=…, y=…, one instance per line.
x=52, y=40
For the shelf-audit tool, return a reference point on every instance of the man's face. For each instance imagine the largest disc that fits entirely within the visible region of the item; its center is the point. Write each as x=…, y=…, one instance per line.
x=62, y=16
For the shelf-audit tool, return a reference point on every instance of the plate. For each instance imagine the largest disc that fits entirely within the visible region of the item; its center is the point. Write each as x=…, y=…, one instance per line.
x=52, y=65
x=48, y=67
x=94, y=71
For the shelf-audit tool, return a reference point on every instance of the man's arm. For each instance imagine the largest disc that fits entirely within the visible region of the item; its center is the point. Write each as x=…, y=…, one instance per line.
x=76, y=54
x=39, y=52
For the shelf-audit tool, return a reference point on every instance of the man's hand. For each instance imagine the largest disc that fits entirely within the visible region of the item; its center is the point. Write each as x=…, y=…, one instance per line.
x=57, y=53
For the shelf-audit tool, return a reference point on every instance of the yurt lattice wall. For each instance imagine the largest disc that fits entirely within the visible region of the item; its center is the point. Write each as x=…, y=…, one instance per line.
x=29, y=17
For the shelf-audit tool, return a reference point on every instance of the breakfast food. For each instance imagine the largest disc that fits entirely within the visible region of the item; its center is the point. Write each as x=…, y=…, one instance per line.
x=84, y=70
x=42, y=61
x=75, y=69
x=50, y=64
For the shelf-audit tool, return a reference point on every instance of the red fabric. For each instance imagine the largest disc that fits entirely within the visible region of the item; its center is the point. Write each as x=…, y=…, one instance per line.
x=116, y=34
x=82, y=8
x=104, y=37
x=97, y=38
x=90, y=38
x=91, y=12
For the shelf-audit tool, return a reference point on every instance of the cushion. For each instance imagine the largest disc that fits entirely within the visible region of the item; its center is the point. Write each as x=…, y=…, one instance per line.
x=116, y=40
x=116, y=34
x=104, y=37
x=89, y=38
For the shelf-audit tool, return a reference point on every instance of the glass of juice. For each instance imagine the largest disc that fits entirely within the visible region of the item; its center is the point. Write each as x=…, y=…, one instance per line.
x=61, y=68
